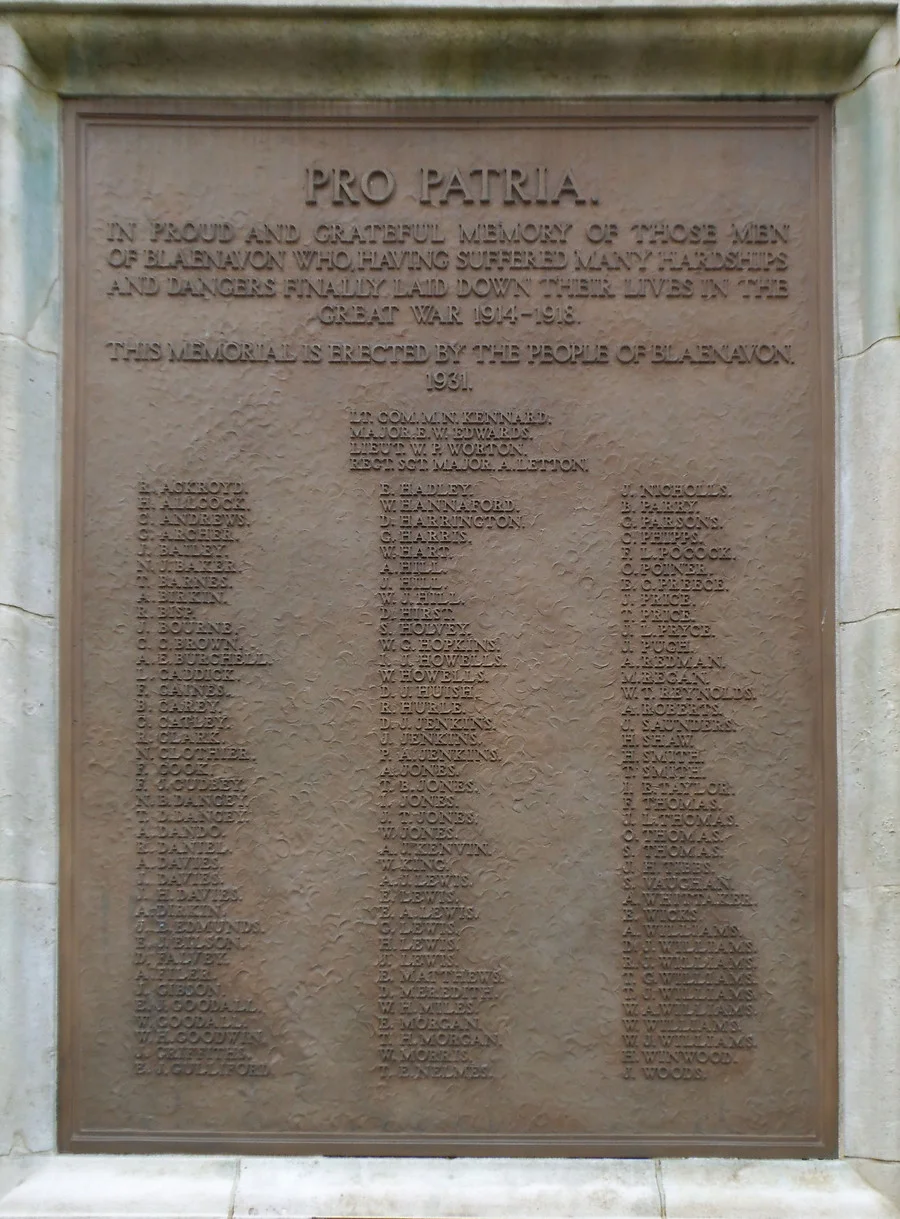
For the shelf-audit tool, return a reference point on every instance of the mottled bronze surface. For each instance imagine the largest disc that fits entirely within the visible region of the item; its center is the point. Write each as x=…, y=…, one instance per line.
x=447, y=677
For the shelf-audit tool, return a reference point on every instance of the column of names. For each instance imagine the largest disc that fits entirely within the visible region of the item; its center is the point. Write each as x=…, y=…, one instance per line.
x=190, y=785
x=689, y=965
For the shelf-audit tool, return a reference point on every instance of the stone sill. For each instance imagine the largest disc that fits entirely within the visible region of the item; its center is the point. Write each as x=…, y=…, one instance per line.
x=145, y=1187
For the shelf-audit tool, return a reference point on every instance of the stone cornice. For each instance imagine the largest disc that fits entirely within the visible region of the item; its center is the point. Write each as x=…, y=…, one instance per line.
x=515, y=48
x=682, y=9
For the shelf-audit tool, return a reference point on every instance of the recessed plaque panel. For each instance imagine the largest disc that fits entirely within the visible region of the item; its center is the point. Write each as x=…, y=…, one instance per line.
x=446, y=675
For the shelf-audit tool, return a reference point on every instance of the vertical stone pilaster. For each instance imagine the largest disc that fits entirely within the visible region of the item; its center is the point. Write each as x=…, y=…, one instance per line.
x=867, y=188
x=29, y=465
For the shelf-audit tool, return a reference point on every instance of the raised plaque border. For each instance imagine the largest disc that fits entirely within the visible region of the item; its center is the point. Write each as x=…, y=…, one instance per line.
x=78, y=116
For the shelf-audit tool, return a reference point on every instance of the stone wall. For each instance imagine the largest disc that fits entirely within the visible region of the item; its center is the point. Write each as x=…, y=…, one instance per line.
x=621, y=49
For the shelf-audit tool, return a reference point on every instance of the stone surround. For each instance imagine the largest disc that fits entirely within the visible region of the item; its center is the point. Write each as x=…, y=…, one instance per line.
x=620, y=49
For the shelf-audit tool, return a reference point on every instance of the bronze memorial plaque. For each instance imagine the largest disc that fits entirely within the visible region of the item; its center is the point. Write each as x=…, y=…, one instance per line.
x=447, y=664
